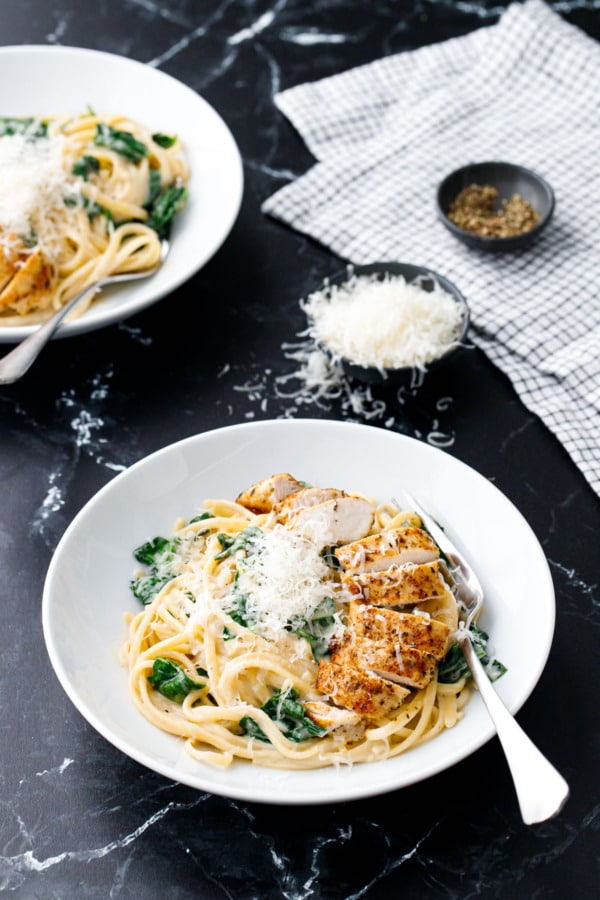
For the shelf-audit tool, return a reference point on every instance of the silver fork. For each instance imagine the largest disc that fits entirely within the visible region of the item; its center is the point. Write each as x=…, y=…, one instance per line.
x=541, y=790
x=14, y=365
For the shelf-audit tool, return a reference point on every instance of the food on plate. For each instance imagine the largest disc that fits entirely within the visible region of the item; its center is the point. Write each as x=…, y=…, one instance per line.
x=384, y=321
x=81, y=198
x=297, y=627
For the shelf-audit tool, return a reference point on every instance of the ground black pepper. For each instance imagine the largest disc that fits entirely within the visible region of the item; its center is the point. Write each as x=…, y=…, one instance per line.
x=476, y=209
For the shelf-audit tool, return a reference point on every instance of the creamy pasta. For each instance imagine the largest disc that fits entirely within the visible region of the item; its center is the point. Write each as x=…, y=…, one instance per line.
x=302, y=631
x=81, y=198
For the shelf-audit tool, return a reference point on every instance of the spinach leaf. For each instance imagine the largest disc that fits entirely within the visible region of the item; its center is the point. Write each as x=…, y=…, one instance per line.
x=154, y=186
x=157, y=552
x=122, y=142
x=159, y=555
x=92, y=208
x=245, y=540
x=201, y=517
x=30, y=127
x=454, y=665
x=289, y=715
x=86, y=165
x=237, y=608
x=253, y=729
x=163, y=140
x=328, y=556
x=146, y=587
x=316, y=630
x=170, y=680
x=163, y=208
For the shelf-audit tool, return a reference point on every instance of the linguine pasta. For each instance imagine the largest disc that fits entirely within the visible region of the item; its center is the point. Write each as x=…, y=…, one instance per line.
x=245, y=612
x=81, y=198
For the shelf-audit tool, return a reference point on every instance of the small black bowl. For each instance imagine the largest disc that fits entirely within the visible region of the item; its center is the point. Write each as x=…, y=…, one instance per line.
x=409, y=376
x=508, y=179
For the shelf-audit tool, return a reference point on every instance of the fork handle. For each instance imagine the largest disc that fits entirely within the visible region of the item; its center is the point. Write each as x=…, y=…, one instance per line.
x=541, y=790
x=17, y=362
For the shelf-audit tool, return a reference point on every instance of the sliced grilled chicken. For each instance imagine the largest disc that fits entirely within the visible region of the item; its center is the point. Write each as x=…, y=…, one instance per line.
x=12, y=256
x=386, y=658
x=395, y=547
x=326, y=515
x=303, y=498
x=358, y=690
x=32, y=284
x=416, y=632
x=264, y=495
x=340, y=723
x=403, y=585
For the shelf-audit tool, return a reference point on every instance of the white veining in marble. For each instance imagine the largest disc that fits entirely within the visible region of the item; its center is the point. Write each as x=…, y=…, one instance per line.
x=310, y=37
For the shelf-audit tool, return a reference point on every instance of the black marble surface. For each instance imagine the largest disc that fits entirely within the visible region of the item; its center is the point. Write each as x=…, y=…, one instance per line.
x=77, y=817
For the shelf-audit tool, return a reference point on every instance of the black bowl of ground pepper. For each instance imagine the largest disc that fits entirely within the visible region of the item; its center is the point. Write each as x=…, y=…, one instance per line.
x=495, y=206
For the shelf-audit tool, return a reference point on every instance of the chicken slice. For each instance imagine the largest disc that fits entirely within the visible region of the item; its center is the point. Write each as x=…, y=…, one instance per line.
x=306, y=496
x=416, y=632
x=358, y=690
x=399, y=585
x=264, y=495
x=386, y=658
x=395, y=547
x=32, y=286
x=12, y=256
x=344, y=724
x=326, y=516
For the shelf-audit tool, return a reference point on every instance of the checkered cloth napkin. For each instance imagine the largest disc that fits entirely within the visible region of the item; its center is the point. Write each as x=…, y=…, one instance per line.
x=525, y=90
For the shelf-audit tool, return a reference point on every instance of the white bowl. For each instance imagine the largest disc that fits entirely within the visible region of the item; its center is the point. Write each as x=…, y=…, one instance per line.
x=87, y=587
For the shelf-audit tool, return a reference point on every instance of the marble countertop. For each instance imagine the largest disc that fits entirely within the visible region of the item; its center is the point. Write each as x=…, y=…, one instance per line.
x=79, y=818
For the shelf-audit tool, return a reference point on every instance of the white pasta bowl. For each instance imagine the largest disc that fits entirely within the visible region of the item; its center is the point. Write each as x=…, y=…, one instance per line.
x=69, y=80
x=86, y=592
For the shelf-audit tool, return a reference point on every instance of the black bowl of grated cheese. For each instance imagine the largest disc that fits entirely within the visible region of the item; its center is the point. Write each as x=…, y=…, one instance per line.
x=387, y=323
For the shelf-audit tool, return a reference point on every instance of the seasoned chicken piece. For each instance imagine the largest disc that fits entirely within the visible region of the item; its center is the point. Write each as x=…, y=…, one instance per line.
x=395, y=547
x=344, y=724
x=305, y=497
x=386, y=658
x=416, y=632
x=31, y=287
x=399, y=585
x=358, y=690
x=326, y=516
x=264, y=495
x=12, y=256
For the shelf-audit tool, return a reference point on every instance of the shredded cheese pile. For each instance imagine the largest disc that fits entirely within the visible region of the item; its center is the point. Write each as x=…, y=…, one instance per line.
x=386, y=323
x=32, y=179
x=285, y=582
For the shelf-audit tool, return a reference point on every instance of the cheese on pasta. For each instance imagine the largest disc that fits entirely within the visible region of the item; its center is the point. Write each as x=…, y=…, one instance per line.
x=32, y=179
x=80, y=198
x=246, y=612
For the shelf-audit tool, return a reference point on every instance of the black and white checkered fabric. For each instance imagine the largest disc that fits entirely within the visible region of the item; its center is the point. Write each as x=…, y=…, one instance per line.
x=525, y=90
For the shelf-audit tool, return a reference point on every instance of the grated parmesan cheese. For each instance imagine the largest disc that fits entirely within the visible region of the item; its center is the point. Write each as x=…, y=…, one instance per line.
x=33, y=180
x=386, y=323
x=284, y=582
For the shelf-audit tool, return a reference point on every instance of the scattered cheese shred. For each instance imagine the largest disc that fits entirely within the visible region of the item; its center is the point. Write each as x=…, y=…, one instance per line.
x=384, y=322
